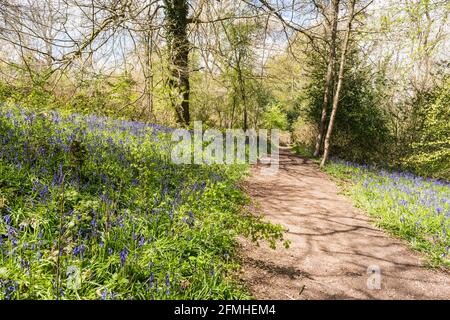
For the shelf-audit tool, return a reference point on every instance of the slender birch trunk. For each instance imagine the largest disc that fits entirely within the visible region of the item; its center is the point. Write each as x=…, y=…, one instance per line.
x=339, y=84
x=329, y=76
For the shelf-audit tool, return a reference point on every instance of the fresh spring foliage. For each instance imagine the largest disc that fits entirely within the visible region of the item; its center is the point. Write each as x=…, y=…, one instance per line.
x=430, y=153
x=274, y=118
x=93, y=208
x=361, y=128
x=409, y=206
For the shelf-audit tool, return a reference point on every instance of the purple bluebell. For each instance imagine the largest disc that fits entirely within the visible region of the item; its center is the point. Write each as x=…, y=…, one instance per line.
x=123, y=256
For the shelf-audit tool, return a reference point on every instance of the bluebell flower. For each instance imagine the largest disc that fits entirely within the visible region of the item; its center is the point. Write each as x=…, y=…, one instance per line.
x=167, y=280
x=151, y=280
x=78, y=251
x=104, y=294
x=123, y=256
x=7, y=219
x=141, y=241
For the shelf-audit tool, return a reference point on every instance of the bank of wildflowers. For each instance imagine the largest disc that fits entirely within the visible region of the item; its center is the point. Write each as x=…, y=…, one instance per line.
x=412, y=207
x=93, y=208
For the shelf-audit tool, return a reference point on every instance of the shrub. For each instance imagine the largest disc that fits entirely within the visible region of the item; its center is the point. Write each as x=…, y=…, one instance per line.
x=304, y=134
x=274, y=118
x=431, y=153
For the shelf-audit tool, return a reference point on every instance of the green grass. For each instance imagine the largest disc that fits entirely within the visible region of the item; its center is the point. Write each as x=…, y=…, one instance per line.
x=93, y=208
x=408, y=206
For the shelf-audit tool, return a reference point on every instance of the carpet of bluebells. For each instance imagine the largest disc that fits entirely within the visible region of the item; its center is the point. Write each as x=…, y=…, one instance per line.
x=93, y=208
x=410, y=206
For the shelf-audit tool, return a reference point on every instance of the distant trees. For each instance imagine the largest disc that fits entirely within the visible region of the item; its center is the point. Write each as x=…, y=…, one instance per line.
x=67, y=41
x=361, y=127
x=359, y=75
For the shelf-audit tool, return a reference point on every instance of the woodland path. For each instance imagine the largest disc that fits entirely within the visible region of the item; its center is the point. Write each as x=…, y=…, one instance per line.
x=332, y=244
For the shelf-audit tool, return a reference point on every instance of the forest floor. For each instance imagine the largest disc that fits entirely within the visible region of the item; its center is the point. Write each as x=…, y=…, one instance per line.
x=334, y=246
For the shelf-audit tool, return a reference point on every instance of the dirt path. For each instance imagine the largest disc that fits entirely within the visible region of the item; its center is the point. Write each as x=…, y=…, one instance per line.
x=333, y=244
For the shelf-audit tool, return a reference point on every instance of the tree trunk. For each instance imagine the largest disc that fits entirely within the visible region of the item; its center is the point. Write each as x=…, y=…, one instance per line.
x=243, y=95
x=329, y=76
x=233, y=109
x=147, y=109
x=176, y=23
x=339, y=84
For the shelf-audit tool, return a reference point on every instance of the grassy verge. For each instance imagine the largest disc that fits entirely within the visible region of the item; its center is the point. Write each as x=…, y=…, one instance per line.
x=408, y=206
x=93, y=208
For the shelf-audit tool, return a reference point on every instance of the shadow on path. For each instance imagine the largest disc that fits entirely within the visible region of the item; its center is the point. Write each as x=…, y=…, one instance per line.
x=332, y=244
